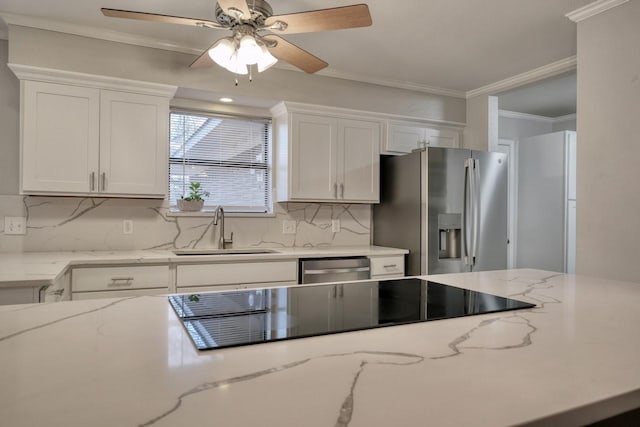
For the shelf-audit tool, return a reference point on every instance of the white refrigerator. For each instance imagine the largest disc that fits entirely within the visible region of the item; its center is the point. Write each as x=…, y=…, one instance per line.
x=546, y=231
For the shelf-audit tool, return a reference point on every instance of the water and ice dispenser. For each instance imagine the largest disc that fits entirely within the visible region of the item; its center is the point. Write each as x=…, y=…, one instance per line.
x=449, y=236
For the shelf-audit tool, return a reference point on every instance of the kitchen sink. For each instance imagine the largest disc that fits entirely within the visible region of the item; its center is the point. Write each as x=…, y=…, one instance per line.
x=248, y=251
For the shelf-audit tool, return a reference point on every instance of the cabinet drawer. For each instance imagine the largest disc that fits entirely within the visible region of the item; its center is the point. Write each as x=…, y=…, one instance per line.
x=77, y=296
x=391, y=265
x=119, y=278
x=237, y=273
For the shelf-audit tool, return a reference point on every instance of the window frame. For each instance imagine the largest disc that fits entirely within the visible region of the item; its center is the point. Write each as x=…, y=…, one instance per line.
x=209, y=211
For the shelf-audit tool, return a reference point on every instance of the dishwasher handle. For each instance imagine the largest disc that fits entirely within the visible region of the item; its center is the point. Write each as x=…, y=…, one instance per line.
x=337, y=270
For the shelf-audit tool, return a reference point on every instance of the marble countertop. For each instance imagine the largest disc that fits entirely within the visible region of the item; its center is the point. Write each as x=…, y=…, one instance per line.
x=128, y=362
x=43, y=268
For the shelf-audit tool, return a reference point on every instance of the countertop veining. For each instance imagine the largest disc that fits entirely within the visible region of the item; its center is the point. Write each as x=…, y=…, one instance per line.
x=128, y=362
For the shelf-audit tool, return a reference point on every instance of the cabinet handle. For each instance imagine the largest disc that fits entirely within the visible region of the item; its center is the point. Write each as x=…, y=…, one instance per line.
x=335, y=291
x=391, y=266
x=121, y=281
x=104, y=181
x=342, y=191
x=335, y=190
x=92, y=180
x=341, y=291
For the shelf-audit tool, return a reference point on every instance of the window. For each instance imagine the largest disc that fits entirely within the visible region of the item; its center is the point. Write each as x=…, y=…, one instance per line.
x=229, y=156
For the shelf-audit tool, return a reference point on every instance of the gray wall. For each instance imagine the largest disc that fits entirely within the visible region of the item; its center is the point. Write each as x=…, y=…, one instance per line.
x=9, y=125
x=570, y=124
x=69, y=52
x=608, y=235
x=517, y=128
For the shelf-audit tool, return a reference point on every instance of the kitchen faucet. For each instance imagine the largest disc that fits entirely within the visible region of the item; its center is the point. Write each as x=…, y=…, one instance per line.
x=219, y=215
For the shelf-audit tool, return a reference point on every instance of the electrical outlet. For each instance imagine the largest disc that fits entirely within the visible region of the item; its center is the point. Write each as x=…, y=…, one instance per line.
x=127, y=226
x=288, y=227
x=15, y=225
x=335, y=225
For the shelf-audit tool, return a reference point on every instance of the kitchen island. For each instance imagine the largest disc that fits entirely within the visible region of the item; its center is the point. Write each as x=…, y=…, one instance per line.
x=129, y=362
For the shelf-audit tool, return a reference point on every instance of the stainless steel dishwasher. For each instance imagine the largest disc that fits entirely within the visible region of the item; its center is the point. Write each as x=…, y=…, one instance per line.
x=322, y=270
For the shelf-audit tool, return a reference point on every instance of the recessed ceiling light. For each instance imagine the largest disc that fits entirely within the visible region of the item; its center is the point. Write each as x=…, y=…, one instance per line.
x=226, y=100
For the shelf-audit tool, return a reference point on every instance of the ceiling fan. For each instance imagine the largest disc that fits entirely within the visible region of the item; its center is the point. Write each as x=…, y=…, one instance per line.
x=248, y=20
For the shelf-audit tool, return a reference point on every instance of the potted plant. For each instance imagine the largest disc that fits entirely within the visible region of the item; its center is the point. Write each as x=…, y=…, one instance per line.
x=194, y=201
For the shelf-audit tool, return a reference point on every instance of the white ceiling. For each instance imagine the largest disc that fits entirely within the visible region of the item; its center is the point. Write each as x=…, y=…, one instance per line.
x=553, y=97
x=452, y=44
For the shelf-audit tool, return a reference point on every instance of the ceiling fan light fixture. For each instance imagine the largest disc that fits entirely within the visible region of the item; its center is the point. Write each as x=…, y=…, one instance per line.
x=249, y=52
x=267, y=60
x=222, y=52
x=236, y=66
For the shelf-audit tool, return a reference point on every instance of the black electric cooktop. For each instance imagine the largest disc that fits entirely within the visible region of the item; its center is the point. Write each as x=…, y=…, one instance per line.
x=252, y=316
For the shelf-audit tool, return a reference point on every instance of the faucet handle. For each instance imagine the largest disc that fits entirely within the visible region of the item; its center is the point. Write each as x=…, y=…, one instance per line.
x=229, y=240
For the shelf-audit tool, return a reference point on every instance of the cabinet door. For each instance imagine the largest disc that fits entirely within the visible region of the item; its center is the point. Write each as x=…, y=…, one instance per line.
x=134, y=144
x=313, y=157
x=359, y=161
x=443, y=138
x=404, y=138
x=60, y=138
x=359, y=305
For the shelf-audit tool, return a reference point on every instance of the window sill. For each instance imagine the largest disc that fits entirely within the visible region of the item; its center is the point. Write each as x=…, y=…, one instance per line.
x=210, y=213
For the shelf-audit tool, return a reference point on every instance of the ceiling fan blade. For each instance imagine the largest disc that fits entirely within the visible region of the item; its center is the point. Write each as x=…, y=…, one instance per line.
x=143, y=16
x=239, y=5
x=294, y=55
x=336, y=18
x=204, y=60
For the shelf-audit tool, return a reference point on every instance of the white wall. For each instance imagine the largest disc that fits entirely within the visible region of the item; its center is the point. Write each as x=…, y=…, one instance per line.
x=608, y=219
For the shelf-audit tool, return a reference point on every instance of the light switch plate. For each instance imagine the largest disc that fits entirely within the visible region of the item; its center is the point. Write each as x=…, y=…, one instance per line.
x=15, y=225
x=335, y=225
x=288, y=227
x=127, y=226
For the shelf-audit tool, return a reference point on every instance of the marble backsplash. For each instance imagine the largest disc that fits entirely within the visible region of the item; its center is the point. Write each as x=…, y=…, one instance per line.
x=72, y=223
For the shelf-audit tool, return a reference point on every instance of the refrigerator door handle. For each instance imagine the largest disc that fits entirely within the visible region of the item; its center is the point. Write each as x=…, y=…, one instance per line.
x=466, y=228
x=476, y=210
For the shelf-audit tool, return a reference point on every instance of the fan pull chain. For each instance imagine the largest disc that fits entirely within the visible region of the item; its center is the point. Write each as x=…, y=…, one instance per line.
x=236, y=80
x=250, y=73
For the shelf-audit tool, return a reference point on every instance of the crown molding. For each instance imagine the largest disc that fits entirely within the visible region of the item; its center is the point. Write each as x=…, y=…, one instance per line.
x=524, y=116
x=286, y=107
x=593, y=9
x=28, y=72
x=96, y=33
x=534, y=117
x=546, y=71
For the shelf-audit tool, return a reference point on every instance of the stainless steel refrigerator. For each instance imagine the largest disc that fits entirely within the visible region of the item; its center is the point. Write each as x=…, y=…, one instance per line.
x=447, y=206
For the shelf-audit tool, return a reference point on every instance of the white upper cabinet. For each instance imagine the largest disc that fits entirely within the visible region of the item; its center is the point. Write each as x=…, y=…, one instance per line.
x=133, y=143
x=60, y=137
x=359, y=160
x=324, y=157
x=404, y=137
x=314, y=152
x=81, y=135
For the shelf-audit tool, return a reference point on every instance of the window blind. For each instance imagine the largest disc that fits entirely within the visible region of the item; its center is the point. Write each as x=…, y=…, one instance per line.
x=229, y=156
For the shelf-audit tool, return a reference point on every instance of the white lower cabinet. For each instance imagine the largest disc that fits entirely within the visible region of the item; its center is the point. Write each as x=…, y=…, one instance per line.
x=19, y=295
x=387, y=266
x=120, y=281
x=240, y=275
x=321, y=308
